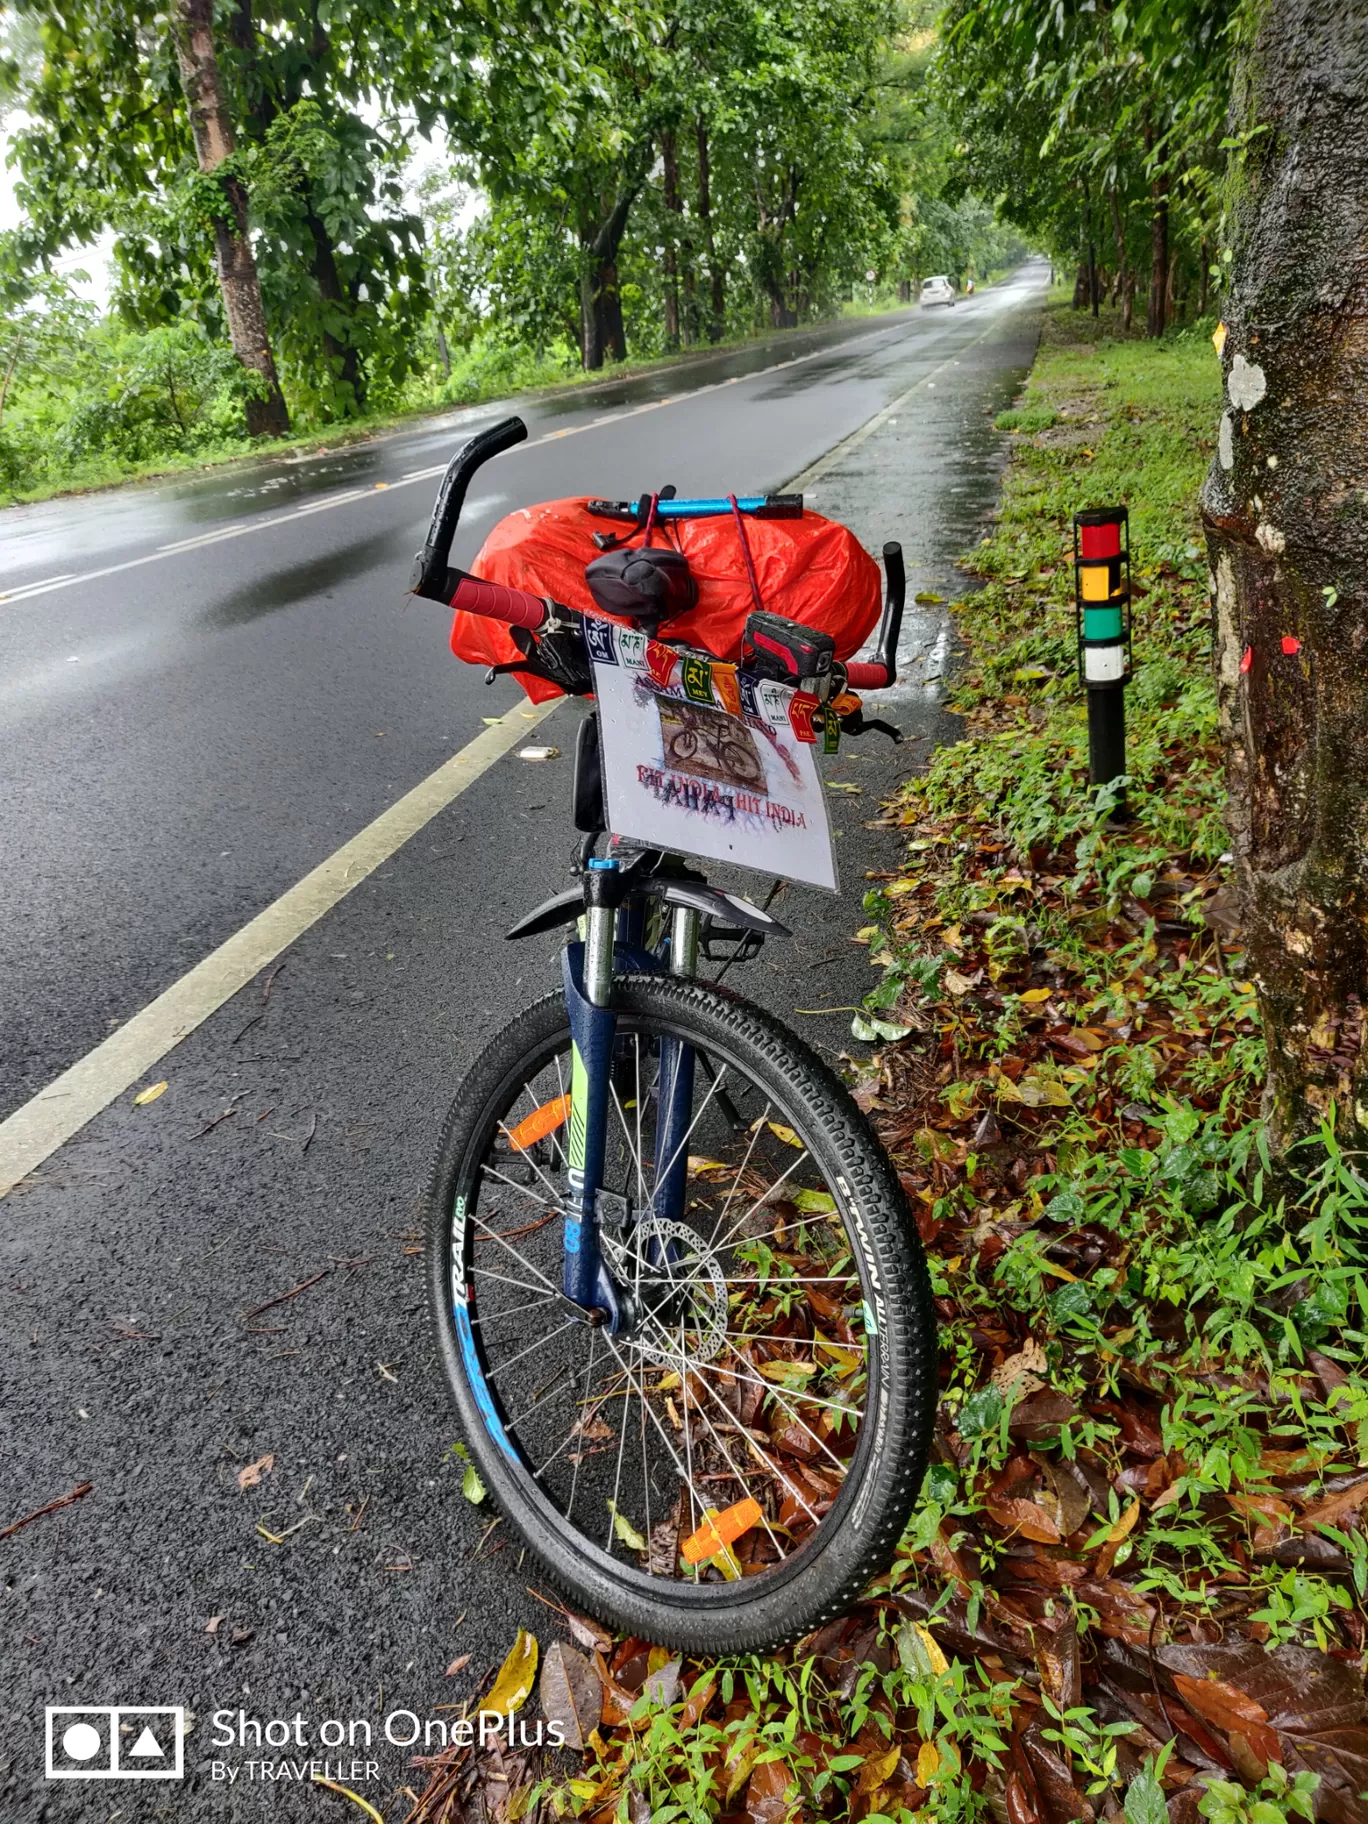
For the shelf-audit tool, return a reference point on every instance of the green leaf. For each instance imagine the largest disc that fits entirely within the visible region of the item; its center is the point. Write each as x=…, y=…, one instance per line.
x=1144, y=1801
x=980, y=1413
x=625, y=1531
x=815, y=1203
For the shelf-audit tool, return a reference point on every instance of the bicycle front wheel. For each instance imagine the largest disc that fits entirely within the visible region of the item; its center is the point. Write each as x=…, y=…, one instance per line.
x=731, y=1467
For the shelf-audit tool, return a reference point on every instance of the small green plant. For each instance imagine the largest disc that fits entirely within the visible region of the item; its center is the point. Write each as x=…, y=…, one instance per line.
x=1277, y=1798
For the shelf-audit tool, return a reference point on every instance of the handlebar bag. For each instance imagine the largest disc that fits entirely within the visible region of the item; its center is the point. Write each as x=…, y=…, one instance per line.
x=650, y=585
x=811, y=570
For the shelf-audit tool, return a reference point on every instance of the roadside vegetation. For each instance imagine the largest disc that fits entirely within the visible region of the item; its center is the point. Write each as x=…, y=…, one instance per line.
x=418, y=209
x=1138, y=1580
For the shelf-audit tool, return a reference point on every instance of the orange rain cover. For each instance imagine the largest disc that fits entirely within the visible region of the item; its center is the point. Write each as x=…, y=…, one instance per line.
x=810, y=570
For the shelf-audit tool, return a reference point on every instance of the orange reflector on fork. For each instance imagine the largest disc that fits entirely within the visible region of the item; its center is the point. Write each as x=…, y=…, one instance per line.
x=541, y=1122
x=722, y=1530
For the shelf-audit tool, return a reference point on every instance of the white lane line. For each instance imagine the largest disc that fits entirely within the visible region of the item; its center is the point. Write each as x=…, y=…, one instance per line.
x=25, y=592
x=824, y=464
x=49, y=1119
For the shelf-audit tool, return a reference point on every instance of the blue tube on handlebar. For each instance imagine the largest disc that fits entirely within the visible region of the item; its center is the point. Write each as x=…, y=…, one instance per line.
x=707, y=509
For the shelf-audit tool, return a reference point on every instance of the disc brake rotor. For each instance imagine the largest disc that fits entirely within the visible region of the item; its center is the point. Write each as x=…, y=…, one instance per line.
x=678, y=1288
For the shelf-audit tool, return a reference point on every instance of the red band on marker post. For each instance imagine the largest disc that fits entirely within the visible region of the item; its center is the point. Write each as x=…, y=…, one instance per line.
x=1099, y=541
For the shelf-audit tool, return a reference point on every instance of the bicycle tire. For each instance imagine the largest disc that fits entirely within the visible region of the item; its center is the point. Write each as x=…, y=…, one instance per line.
x=871, y=1508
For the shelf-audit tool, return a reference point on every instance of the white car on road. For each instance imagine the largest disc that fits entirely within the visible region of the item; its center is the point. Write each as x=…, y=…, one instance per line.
x=937, y=291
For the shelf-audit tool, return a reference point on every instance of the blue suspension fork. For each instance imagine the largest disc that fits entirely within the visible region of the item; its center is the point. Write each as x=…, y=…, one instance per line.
x=588, y=972
x=676, y=1084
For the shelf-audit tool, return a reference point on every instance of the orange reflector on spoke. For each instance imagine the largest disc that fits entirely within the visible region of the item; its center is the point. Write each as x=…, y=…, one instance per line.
x=722, y=1530
x=541, y=1122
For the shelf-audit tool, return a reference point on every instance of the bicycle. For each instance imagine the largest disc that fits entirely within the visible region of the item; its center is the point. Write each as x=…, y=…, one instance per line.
x=680, y=1300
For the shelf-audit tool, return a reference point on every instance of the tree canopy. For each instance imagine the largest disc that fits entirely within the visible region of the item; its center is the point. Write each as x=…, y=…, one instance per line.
x=1099, y=131
x=602, y=179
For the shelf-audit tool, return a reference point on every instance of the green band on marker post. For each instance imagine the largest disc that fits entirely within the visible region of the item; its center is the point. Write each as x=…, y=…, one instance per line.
x=1102, y=624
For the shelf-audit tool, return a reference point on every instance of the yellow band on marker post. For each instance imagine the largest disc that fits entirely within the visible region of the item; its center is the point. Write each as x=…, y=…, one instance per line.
x=1096, y=582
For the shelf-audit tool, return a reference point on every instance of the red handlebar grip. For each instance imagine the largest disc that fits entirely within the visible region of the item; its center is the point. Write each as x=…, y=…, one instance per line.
x=866, y=677
x=515, y=607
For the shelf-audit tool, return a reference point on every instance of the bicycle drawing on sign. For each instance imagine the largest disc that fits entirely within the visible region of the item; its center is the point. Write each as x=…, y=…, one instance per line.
x=710, y=744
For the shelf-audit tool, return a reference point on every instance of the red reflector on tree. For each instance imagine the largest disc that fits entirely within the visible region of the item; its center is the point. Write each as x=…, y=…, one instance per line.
x=1290, y=644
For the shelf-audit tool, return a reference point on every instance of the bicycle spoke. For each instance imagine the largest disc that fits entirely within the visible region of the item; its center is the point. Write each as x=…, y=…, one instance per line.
x=674, y=1156
x=756, y=1132
x=525, y=1153
x=772, y=1468
x=502, y=1317
x=746, y=1215
x=537, y=1343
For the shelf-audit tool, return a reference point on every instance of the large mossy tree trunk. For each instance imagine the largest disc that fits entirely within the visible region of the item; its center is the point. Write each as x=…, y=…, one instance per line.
x=717, y=296
x=603, y=222
x=212, y=130
x=1286, y=512
x=670, y=264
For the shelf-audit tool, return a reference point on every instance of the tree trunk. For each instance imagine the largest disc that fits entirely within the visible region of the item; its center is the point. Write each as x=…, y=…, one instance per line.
x=717, y=315
x=670, y=188
x=603, y=333
x=1122, y=262
x=614, y=332
x=1159, y=260
x=341, y=355
x=1128, y=303
x=1080, y=297
x=1171, y=288
x=591, y=325
x=212, y=129
x=904, y=291
x=1287, y=529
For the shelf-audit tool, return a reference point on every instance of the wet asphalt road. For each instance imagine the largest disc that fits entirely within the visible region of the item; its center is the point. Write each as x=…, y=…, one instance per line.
x=217, y=734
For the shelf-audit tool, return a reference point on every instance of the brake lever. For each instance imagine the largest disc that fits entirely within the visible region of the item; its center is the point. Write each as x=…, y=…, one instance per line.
x=857, y=723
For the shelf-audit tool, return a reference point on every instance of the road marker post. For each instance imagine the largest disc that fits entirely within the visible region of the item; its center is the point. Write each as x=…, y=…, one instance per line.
x=1102, y=597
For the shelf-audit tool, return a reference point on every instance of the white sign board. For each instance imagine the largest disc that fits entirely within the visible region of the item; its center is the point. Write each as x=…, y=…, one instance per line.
x=701, y=760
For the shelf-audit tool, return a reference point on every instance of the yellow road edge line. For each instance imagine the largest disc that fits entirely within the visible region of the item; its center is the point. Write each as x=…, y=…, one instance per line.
x=48, y=1120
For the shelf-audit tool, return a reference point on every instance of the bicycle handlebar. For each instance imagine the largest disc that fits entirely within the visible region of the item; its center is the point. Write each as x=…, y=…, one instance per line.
x=434, y=578
x=497, y=602
x=432, y=575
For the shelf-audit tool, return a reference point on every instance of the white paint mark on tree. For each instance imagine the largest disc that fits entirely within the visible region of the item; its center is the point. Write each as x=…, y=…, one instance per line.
x=1246, y=385
x=1227, y=620
x=1225, y=446
x=1270, y=537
